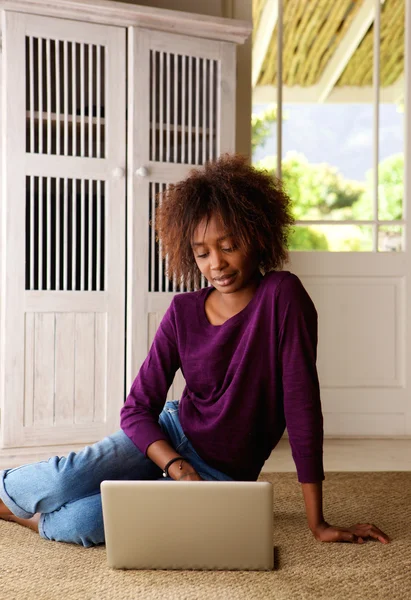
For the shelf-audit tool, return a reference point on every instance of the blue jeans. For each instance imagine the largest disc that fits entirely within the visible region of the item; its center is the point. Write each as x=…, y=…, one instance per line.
x=66, y=491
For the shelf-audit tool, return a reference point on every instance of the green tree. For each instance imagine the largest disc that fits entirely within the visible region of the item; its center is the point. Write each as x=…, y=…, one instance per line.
x=305, y=238
x=317, y=190
x=261, y=126
x=390, y=191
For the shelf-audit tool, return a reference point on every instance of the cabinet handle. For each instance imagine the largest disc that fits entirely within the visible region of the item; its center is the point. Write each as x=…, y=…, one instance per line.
x=142, y=172
x=118, y=173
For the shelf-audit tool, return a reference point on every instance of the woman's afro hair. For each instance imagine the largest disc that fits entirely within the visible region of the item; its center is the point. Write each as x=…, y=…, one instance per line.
x=248, y=202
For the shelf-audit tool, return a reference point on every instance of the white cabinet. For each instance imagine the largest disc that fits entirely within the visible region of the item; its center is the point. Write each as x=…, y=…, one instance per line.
x=103, y=106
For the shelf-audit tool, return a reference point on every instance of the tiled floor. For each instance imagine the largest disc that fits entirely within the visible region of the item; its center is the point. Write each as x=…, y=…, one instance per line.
x=350, y=455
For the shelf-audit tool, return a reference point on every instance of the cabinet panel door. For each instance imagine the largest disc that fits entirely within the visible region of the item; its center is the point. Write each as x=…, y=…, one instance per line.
x=182, y=98
x=63, y=249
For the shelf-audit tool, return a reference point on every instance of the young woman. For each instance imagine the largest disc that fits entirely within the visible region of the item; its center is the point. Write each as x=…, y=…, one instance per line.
x=246, y=346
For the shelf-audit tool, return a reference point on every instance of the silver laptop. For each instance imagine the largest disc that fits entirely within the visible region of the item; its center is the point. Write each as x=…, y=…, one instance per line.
x=223, y=525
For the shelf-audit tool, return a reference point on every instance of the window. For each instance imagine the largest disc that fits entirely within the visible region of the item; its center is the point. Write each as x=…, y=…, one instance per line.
x=337, y=121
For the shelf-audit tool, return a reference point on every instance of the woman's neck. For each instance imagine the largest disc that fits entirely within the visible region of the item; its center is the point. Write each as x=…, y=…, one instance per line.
x=230, y=304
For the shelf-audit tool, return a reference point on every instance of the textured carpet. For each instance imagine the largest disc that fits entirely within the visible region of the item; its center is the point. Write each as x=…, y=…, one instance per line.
x=35, y=569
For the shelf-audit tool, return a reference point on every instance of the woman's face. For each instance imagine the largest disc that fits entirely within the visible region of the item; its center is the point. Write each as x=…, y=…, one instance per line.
x=225, y=266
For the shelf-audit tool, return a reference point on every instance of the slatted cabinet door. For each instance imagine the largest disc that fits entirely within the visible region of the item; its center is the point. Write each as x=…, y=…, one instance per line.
x=182, y=97
x=63, y=252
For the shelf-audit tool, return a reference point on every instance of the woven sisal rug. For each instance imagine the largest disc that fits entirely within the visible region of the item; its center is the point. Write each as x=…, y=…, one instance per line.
x=35, y=569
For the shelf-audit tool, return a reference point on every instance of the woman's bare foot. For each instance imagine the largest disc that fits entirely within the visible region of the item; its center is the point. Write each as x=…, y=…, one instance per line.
x=32, y=523
x=7, y=515
x=4, y=510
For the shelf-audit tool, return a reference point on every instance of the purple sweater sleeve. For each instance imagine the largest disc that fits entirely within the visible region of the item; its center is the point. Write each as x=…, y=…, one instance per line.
x=139, y=414
x=298, y=355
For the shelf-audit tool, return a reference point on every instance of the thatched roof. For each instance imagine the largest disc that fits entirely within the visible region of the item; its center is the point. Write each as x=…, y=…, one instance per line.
x=321, y=33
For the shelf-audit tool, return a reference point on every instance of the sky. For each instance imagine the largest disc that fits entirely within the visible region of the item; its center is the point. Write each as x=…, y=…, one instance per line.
x=339, y=134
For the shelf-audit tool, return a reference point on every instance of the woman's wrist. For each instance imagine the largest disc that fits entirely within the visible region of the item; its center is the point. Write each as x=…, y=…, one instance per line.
x=312, y=493
x=180, y=468
x=319, y=526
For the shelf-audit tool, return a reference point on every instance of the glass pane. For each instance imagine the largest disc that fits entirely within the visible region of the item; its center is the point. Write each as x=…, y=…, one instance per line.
x=328, y=114
x=391, y=131
x=391, y=114
x=332, y=238
x=390, y=238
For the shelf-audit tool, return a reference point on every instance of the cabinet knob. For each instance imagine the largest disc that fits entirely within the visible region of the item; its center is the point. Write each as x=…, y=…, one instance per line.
x=142, y=172
x=118, y=173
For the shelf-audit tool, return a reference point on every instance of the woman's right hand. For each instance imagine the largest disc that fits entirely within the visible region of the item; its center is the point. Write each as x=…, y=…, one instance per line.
x=190, y=476
x=186, y=473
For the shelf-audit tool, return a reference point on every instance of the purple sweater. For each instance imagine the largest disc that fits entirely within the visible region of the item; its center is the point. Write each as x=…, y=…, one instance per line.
x=246, y=380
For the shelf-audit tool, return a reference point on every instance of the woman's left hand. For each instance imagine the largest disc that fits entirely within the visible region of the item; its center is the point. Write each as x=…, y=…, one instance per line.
x=354, y=534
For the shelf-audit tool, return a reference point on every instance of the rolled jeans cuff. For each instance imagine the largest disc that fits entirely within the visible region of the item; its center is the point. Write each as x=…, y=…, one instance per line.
x=9, y=502
x=40, y=525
